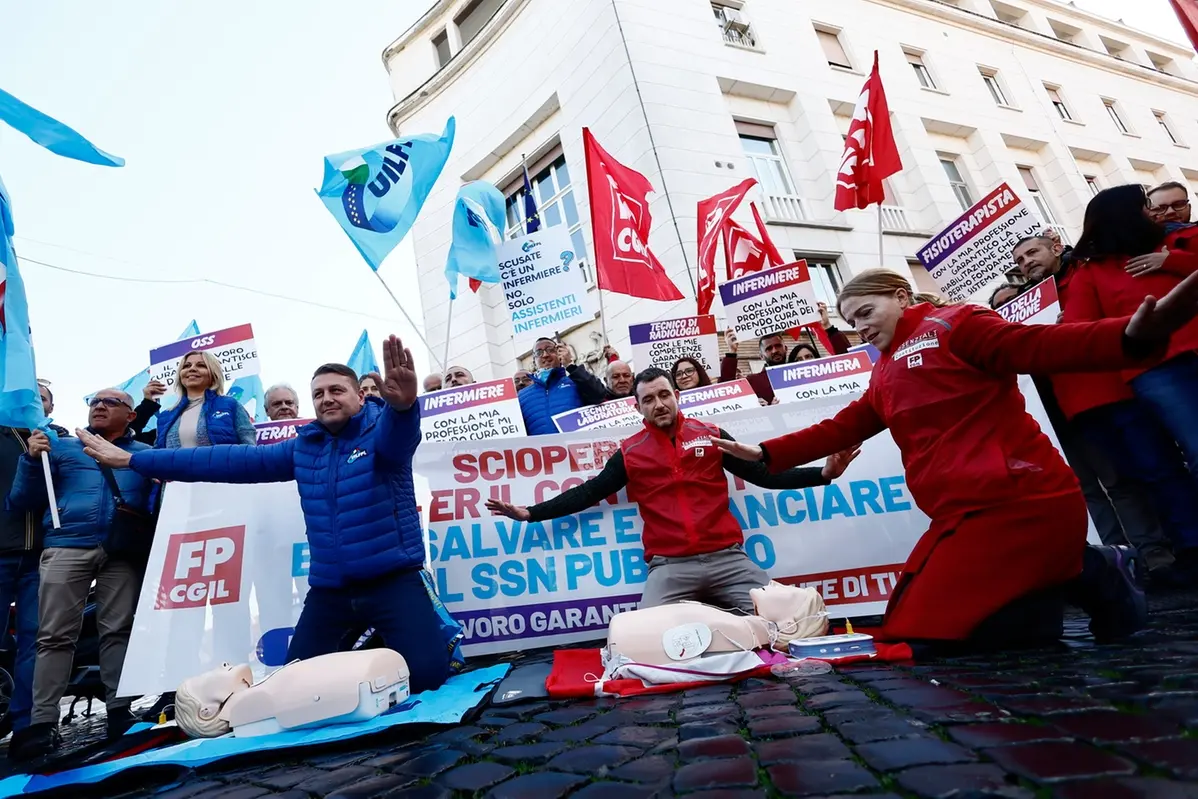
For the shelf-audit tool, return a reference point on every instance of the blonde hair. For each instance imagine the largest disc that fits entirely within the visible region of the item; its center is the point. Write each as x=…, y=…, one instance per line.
x=214, y=369
x=883, y=282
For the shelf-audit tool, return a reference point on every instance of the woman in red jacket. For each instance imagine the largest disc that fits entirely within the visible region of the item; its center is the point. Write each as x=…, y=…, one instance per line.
x=1126, y=256
x=1008, y=519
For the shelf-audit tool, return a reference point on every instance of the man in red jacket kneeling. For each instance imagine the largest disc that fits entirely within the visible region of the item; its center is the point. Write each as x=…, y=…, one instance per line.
x=694, y=547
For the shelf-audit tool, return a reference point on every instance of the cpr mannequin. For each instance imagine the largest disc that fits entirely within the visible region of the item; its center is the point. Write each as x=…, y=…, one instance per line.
x=690, y=641
x=338, y=688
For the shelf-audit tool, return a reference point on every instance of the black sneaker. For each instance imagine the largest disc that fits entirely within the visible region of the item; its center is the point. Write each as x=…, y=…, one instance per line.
x=119, y=722
x=36, y=740
x=1119, y=607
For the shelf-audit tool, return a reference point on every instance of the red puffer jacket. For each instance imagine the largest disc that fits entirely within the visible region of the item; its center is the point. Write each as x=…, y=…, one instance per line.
x=1103, y=289
x=947, y=391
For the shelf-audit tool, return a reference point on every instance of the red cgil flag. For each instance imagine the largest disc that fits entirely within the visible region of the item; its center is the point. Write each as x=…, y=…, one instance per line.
x=1187, y=14
x=620, y=222
x=715, y=215
x=870, y=153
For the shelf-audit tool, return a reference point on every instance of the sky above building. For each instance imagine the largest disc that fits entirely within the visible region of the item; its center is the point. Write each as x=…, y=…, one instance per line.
x=223, y=111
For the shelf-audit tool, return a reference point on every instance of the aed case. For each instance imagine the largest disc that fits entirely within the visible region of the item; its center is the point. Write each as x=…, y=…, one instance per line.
x=834, y=647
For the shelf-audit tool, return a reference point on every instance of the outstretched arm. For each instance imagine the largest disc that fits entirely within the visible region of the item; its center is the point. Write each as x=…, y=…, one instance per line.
x=758, y=473
x=831, y=437
x=613, y=477
x=229, y=463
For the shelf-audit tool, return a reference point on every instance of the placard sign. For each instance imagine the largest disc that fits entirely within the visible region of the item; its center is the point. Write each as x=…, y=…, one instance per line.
x=615, y=413
x=234, y=347
x=975, y=250
x=718, y=398
x=545, y=290
x=472, y=413
x=821, y=377
x=283, y=429
x=662, y=343
x=1039, y=305
x=766, y=302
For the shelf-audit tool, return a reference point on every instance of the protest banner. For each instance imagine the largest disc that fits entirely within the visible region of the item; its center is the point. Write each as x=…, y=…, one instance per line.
x=274, y=432
x=227, y=574
x=234, y=347
x=765, y=302
x=718, y=398
x=545, y=290
x=1039, y=305
x=869, y=349
x=662, y=343
x=821, y=377
x=614, y=413
x=975, y=249
x=472, y=413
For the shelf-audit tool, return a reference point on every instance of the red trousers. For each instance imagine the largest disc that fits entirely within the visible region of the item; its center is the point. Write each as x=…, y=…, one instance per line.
x=964, y=570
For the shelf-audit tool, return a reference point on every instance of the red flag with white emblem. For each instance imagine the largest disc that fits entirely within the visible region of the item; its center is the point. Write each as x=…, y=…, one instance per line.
x=715, y=215
x=870, y=153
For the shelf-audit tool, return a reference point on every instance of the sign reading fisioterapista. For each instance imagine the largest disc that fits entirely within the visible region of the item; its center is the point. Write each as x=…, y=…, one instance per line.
x=543, y=285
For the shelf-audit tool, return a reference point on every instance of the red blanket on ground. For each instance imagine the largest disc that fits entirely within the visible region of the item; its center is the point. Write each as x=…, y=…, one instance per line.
x=577, y=671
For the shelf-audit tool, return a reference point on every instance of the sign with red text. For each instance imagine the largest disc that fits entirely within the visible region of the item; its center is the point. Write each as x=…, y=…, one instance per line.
x=718, y=398
x=274, y=432
x=662, y=343
x=974, y=251
x=202, y=568
x=766, y=302
x=822, y=377
x=1038, y=305
x=233, y=347
x=472, y=413
x=614, y=413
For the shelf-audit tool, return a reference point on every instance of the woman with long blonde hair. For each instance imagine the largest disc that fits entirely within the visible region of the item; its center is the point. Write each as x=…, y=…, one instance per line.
x=204, y=415
x=1008, y=532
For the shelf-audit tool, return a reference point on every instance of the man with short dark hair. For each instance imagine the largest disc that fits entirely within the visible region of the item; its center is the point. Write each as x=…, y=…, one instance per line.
x=522, y=379
x=76, y=554
x=619, y=380
x=458, y=376
x=48, y=406
x=772, y=349
x=694, y=547
x=353, y=468
x=282, y=402
x=1169, y=205
x=556, y=388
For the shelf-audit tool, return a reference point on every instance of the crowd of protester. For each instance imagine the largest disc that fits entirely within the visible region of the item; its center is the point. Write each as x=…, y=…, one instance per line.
x=1130, y=436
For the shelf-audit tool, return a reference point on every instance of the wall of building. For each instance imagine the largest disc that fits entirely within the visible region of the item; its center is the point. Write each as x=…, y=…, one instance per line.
x=540, y=70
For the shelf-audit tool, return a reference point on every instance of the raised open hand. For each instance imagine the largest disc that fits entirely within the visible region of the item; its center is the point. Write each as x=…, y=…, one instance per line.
x=399, y=375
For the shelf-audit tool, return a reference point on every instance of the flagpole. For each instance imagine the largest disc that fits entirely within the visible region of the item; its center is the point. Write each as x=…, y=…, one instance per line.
x=50, y=491
x=602, y=314
x=879, y=235
x=448, y=326
x=415, y=329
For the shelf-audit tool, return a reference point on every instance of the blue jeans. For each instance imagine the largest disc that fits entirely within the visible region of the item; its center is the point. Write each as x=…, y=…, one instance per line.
x=1143, y=450
x=396, y=606
x=19, y=581
x=1171, y=391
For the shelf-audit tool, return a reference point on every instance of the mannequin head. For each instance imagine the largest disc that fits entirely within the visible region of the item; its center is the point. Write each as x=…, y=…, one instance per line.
x=798, y=612
x=200, y=699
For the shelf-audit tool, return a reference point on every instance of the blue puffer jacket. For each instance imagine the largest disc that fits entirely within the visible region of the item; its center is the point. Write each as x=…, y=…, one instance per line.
x=355, y=488
x=562, y=391
x=224, y=421
x=85, y=503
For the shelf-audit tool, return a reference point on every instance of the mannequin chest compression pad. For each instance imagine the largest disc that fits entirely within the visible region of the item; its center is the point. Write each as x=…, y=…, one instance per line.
x=338, y=688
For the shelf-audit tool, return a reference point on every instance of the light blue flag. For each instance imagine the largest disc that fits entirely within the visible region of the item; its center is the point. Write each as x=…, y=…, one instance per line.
x=52, y=134
x=375, y=193
x=20, y=401
x=250, y=395
x=136, y=384
x=362, y=360
x=478, y=219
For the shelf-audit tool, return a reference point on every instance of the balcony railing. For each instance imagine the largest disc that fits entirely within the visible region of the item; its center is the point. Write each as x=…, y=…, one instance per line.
x=895, y=218
x=740, y=38
x=784, y=208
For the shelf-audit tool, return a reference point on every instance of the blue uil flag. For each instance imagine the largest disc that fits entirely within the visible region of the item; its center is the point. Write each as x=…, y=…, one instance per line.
x=478, y=218
x=361, y=360
x=375, y=193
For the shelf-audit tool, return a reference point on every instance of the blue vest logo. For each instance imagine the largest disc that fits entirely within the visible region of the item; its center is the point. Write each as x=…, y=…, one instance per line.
x=357, y=453
x=220, y=414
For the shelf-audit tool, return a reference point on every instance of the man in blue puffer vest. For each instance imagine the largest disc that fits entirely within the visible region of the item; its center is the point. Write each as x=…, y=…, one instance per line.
x=353, y=468
x=556, y=388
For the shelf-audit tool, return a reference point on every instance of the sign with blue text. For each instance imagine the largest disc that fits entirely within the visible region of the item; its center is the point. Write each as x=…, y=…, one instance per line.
x=544, y=287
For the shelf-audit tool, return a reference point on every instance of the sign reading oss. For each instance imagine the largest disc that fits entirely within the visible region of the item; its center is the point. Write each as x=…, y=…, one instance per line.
x=202, y=568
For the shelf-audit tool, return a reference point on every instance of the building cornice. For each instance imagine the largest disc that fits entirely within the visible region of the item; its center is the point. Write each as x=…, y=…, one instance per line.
x=964, y=18
x=1068, y=9
x=459, y=63
x=415, y=29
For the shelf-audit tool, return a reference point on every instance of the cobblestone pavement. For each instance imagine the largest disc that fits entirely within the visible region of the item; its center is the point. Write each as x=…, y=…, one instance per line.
x=1074, y=721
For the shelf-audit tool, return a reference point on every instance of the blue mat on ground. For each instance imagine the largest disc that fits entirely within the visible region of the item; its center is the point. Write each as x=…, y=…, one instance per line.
x=446, y=705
